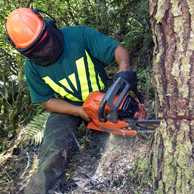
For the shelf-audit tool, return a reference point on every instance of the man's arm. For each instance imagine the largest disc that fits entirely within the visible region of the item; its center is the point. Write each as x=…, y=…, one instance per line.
x=63, y=107
x=122, y=57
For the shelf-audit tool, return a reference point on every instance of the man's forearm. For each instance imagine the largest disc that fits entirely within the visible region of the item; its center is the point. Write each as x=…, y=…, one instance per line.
x=63, y=107
x=59, y=106
x=122, y=57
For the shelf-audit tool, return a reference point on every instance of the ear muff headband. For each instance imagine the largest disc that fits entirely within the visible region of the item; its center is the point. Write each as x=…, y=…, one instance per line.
x=36, y=11
x=46, y=21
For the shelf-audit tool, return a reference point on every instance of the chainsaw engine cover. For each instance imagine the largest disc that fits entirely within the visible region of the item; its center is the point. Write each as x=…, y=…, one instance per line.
x=129, y=108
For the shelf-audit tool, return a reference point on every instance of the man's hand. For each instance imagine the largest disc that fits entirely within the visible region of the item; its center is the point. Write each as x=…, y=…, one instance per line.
x=129, y=76
x=81, y=112
x=63, y=107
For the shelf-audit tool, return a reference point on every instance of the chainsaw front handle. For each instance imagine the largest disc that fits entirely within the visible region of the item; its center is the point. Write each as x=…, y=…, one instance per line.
x=109, y=97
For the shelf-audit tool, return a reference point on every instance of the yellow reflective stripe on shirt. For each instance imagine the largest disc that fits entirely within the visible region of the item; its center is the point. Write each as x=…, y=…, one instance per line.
x=59, y=89
x=102, y=86
x=92, y=73
x=81, y=69
x=73, y=80
x=65, y=83
x=82, y=78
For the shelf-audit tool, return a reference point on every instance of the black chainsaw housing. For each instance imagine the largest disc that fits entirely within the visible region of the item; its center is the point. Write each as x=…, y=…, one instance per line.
x=129, y=108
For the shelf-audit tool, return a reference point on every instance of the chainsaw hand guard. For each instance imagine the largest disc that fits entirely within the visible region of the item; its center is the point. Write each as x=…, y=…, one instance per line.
x=108, y=98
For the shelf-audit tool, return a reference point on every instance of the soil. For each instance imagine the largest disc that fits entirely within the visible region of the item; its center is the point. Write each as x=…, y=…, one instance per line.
x=103, y=165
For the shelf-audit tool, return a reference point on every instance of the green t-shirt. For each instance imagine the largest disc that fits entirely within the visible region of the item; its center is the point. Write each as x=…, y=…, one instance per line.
x=78, y=71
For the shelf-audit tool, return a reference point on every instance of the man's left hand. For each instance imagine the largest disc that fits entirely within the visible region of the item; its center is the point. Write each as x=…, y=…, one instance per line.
x=129, y=76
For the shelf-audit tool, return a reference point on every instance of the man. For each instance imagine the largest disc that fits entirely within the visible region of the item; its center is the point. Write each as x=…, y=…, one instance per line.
x=62, y=67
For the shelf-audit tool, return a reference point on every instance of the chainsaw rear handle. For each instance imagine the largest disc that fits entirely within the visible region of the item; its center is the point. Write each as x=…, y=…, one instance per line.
x=109, y=97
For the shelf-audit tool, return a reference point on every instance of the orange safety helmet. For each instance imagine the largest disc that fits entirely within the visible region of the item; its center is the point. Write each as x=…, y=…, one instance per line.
x=25, y=28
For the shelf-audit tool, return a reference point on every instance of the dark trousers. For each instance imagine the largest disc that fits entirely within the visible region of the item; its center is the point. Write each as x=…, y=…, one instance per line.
x=59, y=140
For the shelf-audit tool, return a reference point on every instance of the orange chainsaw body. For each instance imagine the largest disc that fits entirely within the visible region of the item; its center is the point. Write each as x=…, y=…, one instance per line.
x=91, y=107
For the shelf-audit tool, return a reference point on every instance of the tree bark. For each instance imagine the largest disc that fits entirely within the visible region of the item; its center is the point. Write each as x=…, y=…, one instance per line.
x=172, y=147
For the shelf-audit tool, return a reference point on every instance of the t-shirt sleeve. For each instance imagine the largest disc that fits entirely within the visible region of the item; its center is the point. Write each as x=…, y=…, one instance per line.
x=101, y=46
x=39, y=90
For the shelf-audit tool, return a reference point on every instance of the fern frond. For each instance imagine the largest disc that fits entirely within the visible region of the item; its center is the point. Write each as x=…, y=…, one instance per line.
x=35, y=129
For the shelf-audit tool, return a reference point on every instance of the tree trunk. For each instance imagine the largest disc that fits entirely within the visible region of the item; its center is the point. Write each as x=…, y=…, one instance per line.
x=171, y=158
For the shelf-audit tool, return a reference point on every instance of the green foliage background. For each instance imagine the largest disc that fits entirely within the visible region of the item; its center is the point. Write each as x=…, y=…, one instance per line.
x=124, y=20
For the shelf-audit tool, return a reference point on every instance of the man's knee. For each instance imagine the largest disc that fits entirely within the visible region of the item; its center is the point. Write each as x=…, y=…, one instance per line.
x=62, y=124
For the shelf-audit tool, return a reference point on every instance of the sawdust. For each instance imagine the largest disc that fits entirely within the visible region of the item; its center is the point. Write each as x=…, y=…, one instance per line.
x=108, y=169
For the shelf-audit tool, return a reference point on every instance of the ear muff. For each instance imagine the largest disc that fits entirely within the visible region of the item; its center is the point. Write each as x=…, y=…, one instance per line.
x=41, y=25
x=51, y=22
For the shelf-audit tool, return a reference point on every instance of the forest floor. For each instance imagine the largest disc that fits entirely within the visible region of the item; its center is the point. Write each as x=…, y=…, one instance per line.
x=106, y=164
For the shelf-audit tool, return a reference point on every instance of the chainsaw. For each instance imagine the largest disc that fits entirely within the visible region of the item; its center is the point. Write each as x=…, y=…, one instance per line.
x=119, y=114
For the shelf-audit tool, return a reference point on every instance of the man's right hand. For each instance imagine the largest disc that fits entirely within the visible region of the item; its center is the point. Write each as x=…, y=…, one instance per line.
x=81, y=112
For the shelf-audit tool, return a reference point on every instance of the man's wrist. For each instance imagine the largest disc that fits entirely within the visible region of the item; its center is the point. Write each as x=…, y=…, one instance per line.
x=127, y=68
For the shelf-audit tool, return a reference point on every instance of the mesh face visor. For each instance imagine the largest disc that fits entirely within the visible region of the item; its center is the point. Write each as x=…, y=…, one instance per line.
x=48, y=49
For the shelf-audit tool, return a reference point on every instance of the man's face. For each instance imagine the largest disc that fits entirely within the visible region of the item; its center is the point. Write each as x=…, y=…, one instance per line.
x=48, y=49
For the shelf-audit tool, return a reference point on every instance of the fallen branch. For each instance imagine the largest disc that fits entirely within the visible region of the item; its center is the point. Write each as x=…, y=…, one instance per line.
x=28, y=164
